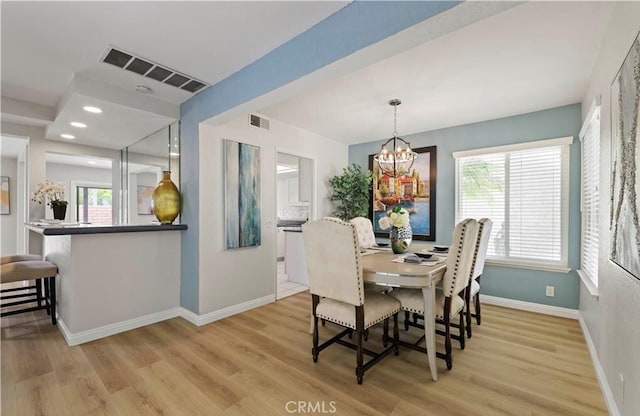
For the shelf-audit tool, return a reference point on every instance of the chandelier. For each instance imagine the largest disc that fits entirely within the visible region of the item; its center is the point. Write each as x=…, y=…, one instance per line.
x=395, y=161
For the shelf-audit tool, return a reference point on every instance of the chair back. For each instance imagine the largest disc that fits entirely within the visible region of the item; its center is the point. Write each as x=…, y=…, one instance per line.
x=484, y=233
x=334, y=264
x=364, y=230
x=460, y=257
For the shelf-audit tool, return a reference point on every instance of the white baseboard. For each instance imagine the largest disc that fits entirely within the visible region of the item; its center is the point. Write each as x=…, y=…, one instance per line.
x=530, y=306
x=199, y=320
x=107, y=330
x=602, y=379
x=226, y=312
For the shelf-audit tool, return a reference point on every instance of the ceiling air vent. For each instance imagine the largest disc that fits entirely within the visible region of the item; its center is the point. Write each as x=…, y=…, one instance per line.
x=259, y=122
x=150, y=69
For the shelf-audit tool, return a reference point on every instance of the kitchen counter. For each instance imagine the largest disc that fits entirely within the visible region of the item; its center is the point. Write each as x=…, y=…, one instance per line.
x=291, y=223
x=111, y=278
x=71, y=228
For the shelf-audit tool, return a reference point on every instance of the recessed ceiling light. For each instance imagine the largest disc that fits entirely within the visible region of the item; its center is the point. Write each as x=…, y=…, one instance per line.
x=67, y=136
x=91, y=162
x=91, y=109
x=78, y=124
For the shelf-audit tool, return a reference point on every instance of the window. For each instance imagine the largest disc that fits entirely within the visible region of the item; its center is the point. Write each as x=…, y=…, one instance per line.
x=93, y=205
x=524, y=190
x=590, y=144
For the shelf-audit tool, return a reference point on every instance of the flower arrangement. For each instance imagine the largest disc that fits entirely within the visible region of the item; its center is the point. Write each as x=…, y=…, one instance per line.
x=49, y=191
x=397, y=217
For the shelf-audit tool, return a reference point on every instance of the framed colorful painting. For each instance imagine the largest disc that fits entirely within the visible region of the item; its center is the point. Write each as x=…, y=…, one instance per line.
x=242, y=195
x=415, y=191
x=5, y=201
x=145, y=200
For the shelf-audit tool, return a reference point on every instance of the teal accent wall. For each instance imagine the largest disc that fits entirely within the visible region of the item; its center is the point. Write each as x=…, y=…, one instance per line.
x=356, y=26
x=505, y=282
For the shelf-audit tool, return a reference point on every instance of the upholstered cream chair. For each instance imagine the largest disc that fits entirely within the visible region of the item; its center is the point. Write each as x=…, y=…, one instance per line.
x=364, y=230
x=27, y=268
x=450, y=300
x=337, y=290
x=477, y=268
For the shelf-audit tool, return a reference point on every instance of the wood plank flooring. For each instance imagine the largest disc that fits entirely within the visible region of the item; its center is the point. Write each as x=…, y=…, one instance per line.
x=259, y=363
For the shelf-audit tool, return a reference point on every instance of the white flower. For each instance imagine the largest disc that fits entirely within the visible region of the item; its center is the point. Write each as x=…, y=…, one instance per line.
x=398, y=217
x=384, y=223
x=49, y=191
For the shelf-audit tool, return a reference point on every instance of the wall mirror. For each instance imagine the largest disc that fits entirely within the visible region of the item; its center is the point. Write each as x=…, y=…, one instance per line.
x=142, y=165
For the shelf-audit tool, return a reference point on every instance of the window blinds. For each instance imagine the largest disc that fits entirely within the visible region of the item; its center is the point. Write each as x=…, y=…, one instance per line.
x=590, y=138
x=525, y=193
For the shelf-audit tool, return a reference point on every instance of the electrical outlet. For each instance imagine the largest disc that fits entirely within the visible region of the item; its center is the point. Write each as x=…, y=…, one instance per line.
x=551, y=291
x=621, y=388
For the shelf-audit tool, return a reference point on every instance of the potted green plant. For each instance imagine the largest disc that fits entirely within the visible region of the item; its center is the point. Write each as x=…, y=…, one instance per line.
x=350, y=192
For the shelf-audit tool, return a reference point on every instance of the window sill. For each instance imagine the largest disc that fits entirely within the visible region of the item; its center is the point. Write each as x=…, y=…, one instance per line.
x=529, y=265
x=589, y=284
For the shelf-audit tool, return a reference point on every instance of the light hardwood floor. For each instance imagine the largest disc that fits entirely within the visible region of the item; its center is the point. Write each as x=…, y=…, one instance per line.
x=259, y=363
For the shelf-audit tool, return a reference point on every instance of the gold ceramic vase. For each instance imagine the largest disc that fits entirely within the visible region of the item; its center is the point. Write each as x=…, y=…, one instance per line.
x=166, y=199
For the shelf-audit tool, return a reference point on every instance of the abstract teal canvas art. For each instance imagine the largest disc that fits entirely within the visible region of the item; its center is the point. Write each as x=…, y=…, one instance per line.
x=242, y=195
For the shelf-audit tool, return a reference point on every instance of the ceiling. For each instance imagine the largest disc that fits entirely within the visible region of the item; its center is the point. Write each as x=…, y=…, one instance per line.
x=51, y=55
x=533, y=56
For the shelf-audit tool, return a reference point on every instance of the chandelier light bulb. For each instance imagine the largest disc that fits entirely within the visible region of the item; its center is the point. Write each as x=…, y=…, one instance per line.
x=398, y=161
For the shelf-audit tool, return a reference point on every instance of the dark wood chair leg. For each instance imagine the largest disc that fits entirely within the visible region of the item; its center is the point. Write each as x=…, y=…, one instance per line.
x=447, y=332
x=359, y=332
x=476, y=301
x=385, y=332
x=406, y=320
x=52, y=299
x=462, y=328
x=314, y=351
x=396, y=336
x=467, y=309
x=39, y=291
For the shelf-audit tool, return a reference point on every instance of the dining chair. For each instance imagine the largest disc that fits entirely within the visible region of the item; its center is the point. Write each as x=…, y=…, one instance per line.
x=336, y=284
x=364, y=230
x=28, y=267
x=477, y=268
x=450, y=300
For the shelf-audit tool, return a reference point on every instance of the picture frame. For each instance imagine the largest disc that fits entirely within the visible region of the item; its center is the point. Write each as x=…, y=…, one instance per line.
x=242, y=175
x=625, y=156
x=5, y=196
x=417, y=194
x=145, y=200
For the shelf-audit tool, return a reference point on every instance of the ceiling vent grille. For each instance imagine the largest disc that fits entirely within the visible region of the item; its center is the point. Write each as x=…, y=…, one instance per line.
x=259, y=122
x=150, y=69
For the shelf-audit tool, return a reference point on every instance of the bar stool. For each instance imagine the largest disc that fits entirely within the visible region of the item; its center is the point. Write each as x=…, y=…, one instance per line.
x=30, y=269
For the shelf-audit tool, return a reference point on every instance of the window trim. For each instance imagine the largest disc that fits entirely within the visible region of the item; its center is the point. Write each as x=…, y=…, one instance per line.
x=561, y=266
x=74, y=187
x=593, y=116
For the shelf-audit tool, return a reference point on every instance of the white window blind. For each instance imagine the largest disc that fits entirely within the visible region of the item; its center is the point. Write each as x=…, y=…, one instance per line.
x=590, y=143
x=523, y=189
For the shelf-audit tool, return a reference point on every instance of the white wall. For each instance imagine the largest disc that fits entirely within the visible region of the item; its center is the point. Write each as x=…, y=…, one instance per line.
x=38, y=148
x=71, y=176
x=232, y=277
x=9, y=223
x=613, y=318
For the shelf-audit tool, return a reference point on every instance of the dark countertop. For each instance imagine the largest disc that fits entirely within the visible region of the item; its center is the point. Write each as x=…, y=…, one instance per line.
x=57, y=229
x=290, y=223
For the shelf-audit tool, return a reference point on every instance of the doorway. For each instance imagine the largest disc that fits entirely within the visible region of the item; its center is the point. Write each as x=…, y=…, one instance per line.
x=294, y=207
